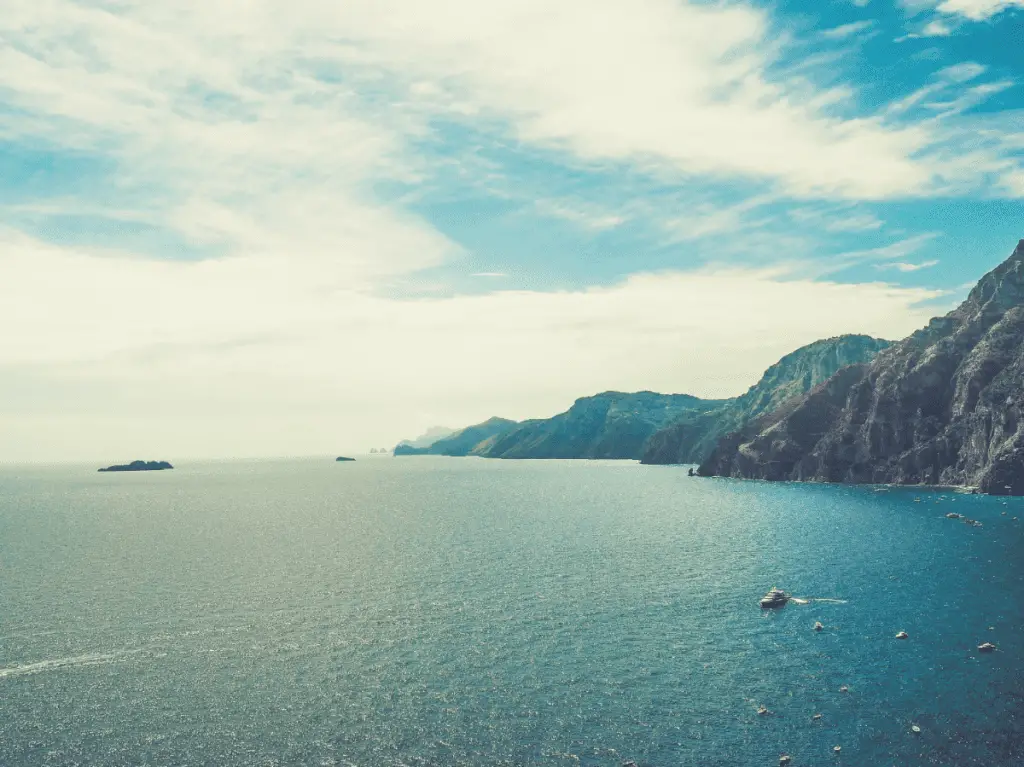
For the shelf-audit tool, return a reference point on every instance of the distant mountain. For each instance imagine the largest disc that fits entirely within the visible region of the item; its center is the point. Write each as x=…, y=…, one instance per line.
x=608, y=425
x=692, y=438
x=469, y=441
x=425, y=440
x=944, y=406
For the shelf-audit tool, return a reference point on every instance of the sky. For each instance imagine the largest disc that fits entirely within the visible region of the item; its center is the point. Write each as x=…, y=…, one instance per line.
x=270, y=228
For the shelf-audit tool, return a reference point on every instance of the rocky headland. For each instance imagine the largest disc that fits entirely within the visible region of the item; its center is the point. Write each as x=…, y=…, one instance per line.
x=941, y=407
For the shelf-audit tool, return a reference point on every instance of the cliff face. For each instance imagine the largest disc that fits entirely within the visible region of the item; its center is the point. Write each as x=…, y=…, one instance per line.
x=692, y=438
x=944, y=406
x=608, y=425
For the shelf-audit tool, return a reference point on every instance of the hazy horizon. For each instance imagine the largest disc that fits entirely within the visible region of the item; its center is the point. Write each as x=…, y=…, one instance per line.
x=308, y=229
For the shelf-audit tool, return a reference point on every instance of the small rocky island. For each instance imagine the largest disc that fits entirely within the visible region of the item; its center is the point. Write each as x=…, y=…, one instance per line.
x=140, y=466
x=343, y=458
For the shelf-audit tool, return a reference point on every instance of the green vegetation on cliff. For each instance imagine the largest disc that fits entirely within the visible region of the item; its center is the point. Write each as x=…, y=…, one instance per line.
x=607, y=425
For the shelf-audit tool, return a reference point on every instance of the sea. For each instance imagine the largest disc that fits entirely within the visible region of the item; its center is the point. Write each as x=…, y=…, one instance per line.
x=428, y=611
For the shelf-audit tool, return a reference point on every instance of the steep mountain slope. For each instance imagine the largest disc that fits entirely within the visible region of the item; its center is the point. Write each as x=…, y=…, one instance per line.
x=944, y=406
x=692, y=438
x=608, y=425
x=466, y=441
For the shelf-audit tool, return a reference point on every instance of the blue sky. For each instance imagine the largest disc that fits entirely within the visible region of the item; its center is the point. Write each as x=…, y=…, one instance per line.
x=252, y=229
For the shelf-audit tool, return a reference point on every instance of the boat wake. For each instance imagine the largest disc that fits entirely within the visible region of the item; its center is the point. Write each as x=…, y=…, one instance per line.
x=92, y=659
x=808, y=600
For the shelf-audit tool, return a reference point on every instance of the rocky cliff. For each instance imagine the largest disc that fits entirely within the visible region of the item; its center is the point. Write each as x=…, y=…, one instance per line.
x=692, y=438
x=943, y=406
x=608, y=425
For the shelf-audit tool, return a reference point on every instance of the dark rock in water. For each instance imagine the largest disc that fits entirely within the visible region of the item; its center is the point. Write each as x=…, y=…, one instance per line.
x=140, y=466
x=942, y=407
x=343, y=458
x=692, y=438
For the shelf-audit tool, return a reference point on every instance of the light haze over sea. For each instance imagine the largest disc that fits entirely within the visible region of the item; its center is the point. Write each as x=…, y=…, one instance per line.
x=433, y=611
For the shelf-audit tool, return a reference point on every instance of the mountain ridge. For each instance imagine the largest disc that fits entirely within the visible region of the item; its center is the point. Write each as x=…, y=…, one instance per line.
x=609, y=425
x=693, y=438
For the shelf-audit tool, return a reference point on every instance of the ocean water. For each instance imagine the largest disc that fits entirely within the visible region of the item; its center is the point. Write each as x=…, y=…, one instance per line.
x=431, y=611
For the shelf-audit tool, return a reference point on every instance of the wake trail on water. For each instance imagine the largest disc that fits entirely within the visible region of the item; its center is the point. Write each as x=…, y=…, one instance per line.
x=808, y=600
x=91, y=659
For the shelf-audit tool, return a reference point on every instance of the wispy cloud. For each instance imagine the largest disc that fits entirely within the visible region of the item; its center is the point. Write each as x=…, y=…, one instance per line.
x=896, y=251
x=588, y=217
x=936, y=28
x=978, y=10
x=906, y=267
x=836, y=219
x=845, y=31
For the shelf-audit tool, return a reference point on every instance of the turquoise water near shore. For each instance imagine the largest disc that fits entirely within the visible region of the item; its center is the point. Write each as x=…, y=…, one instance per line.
x=433, y=611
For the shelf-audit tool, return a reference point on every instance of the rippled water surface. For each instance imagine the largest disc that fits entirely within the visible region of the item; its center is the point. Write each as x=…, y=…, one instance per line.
x=430, y=611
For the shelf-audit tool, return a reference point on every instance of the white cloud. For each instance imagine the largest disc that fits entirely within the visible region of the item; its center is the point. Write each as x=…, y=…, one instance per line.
x=936, y=28
x=905, y=267
x=587, y=217
x=674, y=87
x=252, y=357
x=836, y=219
x=978, y=10
x=946, y=96
x=1013, y=183
x=847, y=30
x=861, y=222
